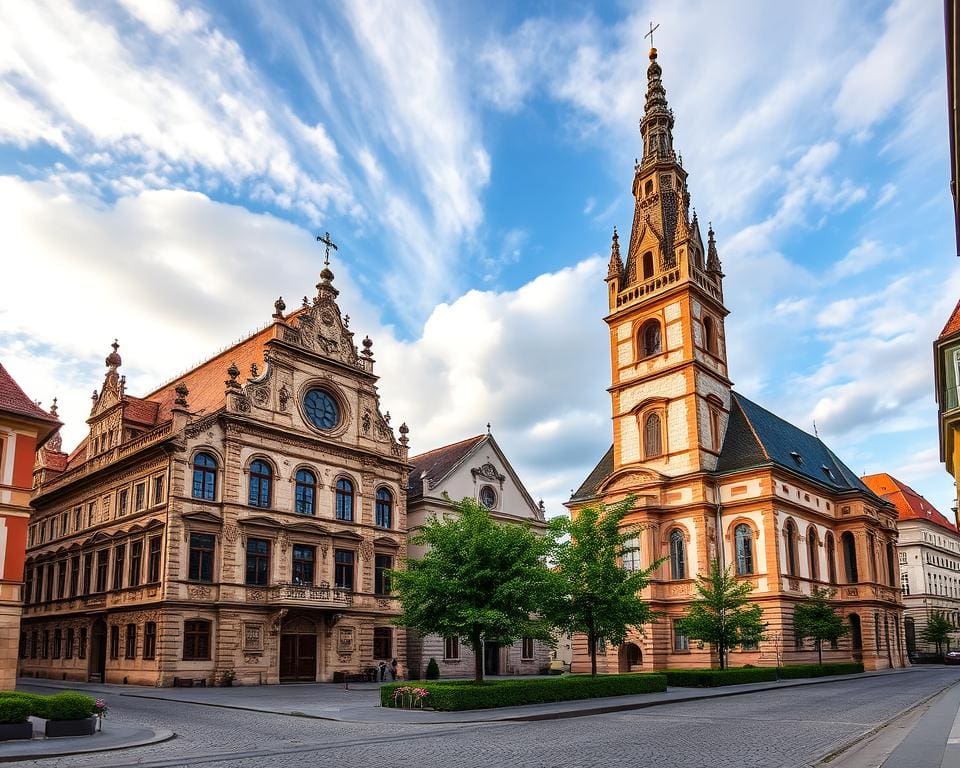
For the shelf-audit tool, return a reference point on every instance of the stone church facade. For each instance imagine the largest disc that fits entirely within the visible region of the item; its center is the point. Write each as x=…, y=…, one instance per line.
x=716, y=476
x=237, y=523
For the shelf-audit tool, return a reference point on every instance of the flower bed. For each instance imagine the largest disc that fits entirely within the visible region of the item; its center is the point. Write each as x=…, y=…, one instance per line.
x=67, y=714
x=456, y=695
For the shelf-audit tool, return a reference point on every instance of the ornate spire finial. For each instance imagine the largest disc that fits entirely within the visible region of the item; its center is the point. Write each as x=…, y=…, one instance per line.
x=404, y=431
x=233, y=372
x=53, y=408
x=278, y=307
x=615, y=267
x=713, y=258
x=488, y=427
x=326, y=275
x=254, y=370
x=182, y=392
x=367, y=347
x=346, y=321
x=656, y=127
x=113, y=359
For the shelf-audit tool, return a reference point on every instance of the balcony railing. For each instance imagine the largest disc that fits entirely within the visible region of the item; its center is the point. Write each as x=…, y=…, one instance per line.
x=300, y=594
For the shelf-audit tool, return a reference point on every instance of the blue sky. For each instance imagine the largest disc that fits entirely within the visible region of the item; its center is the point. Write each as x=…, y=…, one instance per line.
x=165, y=167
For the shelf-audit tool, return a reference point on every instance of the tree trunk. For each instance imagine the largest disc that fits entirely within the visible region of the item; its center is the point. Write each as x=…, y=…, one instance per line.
x=723, y=661
x=592, y=644
x=820, y=652
x=477, y=658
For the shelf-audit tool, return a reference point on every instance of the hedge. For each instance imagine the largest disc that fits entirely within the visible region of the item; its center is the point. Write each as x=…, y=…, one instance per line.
x=67, y=705
x=713, y=678
x=795, y=671
x=455, y=695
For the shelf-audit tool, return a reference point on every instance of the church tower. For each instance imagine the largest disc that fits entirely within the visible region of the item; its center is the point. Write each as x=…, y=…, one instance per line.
x=670, y=392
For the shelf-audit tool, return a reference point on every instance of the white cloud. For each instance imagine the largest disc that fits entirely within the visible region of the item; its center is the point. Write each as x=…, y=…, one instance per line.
x=887, y=192
x=866, y=255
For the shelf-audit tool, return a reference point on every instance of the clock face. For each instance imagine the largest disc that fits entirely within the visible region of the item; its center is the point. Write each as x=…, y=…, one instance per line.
x=321, y=409
x=488, y=497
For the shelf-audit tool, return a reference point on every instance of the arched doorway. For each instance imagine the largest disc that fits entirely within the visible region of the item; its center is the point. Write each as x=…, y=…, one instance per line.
x=98, y=652
x=630, y=657
x=298, y=650
x=856, y=637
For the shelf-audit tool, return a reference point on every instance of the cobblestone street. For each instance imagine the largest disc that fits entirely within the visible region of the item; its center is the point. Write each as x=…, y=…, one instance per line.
x=790, y=727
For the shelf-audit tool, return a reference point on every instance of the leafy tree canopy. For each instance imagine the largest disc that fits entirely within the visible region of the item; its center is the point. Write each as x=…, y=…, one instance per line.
x=818, y=619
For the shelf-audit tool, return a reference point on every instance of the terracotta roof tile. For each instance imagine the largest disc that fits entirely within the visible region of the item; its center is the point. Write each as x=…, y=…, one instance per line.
x=14, y=400
x=140, y=410
x=910, y=504
x=953, y=324
x=435, y=464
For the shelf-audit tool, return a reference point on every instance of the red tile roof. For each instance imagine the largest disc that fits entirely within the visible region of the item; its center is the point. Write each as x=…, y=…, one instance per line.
x=435, y=464
x=14, y=400
x=953, y=324
x=910, y=504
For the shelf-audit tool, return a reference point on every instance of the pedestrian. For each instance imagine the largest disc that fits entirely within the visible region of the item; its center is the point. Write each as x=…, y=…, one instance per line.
x=383, y=671
x=395, y=669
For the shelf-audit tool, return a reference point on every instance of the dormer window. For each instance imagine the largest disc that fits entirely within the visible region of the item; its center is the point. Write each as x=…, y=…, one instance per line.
x=828, y=472
x=797, y=458
x=647, y=265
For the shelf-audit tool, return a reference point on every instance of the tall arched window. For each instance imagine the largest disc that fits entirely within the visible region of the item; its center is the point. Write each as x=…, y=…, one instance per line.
x=652, y=436
x=849, y=547
x=650, y=341
x=790, y=543
x=678, y=555
x=872, y=551
x=891, y=565
x=261, y=484
x=709, y=335
x=813, y=553
x=831, y=548
x=344, y=499
x=384, y=510
x=306, y=492
x=204, y=477
x=647, y=265
x=743, y=536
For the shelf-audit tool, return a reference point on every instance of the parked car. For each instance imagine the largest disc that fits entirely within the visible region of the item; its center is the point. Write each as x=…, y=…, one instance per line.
x=951, y=657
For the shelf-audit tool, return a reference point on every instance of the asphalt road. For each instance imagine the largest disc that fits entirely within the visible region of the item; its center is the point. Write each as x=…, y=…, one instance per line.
x=771, y=729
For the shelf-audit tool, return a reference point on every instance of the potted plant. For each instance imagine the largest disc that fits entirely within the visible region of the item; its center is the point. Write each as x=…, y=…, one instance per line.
x=70, y=714
x=14, y=711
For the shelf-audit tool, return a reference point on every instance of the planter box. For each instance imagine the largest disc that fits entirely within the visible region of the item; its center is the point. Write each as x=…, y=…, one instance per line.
x=10, y=731
x=85, y=727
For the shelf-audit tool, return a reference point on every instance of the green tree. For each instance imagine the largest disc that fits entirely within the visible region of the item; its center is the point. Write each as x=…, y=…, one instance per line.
x=478, y=580
x=815, y=617
x=938, y=631
x=594, y=594
x=723, y=615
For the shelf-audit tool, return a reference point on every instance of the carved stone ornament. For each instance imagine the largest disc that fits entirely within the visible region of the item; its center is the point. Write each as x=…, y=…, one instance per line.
x=260, y=396
x=345, y=638
x=250, y=658
x=230, y=533
x=284, y=397
x=252, y=636
x=195, y=592
x=242, y=404
x=489, y=472
x=366, y=550
x=283, y=541
x=365, y=422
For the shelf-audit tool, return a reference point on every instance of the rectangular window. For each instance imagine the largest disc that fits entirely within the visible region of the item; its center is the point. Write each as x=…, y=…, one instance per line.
x=905, y=583
x=64, y=523
x=631, y=557
x=150, y=640
x=715, y=429
x=62, y=579
x=130, y=647
x=74, y=575
x=39, y=587
x=526, y=649
x=34, y=644
x=28, y=585
x=49, y=578
x=153, y=560
x=196, y=640
x=115, y=641
x=119, y=554
x=902, y=557
x=382, y=643
x=139, y=496
x=158, y=489
x=82, y=644
x=202, y=548
x=68, y=648
x=136, y=562
x=77, y=518
x=749, y=647
x=87, y=573
x=303, y=557
x=90, y=510
x=45, y=648
x=680, y=641
x=383, y=564
x=122, y=502
x=258, y=562
x=102, y=557
x=343, y=569
x=53, y=528
x=451, y=648
x=57, y=643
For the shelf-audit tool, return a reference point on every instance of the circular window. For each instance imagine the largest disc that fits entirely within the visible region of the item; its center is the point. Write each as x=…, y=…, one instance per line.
x=488, y=497
x=321, y=408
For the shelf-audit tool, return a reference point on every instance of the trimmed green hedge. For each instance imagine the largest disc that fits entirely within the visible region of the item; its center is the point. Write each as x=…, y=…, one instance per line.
x=67, y=705
x=455, y=695
x=713, y=678
x=795, y=671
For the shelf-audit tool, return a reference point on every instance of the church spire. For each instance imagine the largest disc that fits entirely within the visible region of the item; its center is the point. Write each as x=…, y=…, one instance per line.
x=656, y=127
x=615, y=268
x=713, y=258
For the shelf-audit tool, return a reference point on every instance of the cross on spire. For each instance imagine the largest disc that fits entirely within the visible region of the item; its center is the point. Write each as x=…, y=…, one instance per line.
x=325, y=239
x=650, y=33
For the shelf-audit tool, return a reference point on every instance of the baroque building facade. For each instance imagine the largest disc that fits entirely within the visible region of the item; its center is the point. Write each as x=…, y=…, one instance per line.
x=714, y=475
x=236, y=523
x=928, y=552
x=475, y=468
x=24, y=427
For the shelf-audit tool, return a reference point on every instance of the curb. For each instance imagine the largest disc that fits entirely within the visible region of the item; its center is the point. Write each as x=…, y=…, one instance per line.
x=159, y=736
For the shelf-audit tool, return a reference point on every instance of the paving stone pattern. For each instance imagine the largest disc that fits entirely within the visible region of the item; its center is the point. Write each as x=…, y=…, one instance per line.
x=771, y=729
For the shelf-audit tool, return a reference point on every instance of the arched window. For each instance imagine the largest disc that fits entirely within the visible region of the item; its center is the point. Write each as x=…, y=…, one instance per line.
x=648, y=188
x=652, y=436
x=709, y=335
x=261, y=482
x=891, y=565
x=790, y=543
x=678, y=555
x=384, y=511
x=856, y=635
x=647, y=265
x=204, y=477
x=650, y=341
x=849, y=547
x=831, y=557
x=344, y=499
x=743, y=536
x=872, y=550
x=813, y=553
x=306, y=492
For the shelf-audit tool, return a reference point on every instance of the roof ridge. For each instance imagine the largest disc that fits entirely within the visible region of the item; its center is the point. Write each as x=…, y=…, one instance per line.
x=474, y=439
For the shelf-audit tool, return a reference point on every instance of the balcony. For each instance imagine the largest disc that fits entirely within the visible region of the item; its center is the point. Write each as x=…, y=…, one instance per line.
x=303, y=596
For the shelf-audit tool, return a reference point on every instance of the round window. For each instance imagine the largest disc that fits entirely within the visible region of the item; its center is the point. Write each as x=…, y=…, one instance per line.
x=321, y=408
x=488, y=497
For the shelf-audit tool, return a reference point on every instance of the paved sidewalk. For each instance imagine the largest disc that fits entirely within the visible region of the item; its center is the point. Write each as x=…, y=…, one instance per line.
x=360, y=704
x=112, y=736
x=934, y=741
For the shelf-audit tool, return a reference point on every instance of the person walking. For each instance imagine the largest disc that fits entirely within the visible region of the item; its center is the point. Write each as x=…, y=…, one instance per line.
x=395, y=669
